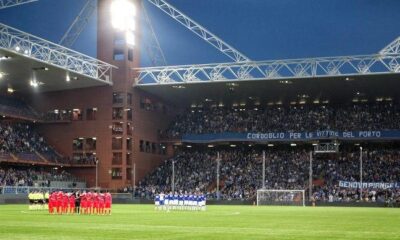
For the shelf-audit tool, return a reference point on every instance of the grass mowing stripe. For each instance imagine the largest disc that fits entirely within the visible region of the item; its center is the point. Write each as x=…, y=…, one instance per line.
x=218, y=222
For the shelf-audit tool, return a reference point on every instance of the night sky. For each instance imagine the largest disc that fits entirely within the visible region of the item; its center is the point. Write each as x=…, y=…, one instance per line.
x=261, y=29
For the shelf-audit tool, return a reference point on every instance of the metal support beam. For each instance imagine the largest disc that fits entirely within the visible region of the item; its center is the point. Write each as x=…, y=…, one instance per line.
x=38, y=49
x=14, y=3
x=200, y=31
x=152, y=45
x=271, y=70
x=392, y=48
x=79, y=24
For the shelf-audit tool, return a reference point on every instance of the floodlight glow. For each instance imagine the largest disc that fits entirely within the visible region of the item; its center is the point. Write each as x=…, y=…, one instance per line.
x=130, y=38
x=34, y=83
x=17, y=48
x=68, y=78
x=10, y=90
x=122, y=14
x=1, y=75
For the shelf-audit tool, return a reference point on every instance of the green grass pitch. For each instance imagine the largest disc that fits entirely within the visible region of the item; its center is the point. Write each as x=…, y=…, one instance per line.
x=218, y=222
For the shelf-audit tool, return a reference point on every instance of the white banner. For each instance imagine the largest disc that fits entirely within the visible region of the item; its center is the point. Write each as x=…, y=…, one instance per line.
x=376, y=185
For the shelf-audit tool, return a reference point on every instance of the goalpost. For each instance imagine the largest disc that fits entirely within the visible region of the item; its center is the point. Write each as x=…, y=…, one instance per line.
x=288, y=197
x=281, y=197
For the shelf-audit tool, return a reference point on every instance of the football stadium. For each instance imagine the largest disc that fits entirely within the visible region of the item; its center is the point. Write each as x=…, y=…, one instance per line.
x=200, y=119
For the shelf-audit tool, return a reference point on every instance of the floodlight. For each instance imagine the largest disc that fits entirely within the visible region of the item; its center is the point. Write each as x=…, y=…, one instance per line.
x=122, y=14
x=34, y=83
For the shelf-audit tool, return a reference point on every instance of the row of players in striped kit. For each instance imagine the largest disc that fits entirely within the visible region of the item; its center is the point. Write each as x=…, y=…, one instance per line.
x=182, y=201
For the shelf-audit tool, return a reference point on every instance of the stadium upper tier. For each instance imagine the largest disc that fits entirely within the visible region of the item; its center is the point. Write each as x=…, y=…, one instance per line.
x=241, y=172
x=291, y=118
x=13, y=107
x=29, y=59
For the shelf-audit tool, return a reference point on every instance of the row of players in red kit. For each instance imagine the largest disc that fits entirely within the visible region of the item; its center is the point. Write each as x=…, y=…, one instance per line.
x=80, y=203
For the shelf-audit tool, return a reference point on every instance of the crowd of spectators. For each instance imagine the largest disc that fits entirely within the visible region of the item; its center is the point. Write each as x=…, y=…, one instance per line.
x=29, y=176
x=25, y=143
x=377, y=116
x=192, y=170
x=378, y=166
x=20, y=138
x=241, y=173
x=17, y=108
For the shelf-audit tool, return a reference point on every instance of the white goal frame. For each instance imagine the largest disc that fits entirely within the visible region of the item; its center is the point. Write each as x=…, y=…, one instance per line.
x=282, y=191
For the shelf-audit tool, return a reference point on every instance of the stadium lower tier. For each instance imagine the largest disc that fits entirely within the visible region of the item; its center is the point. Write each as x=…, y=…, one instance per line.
x=336, y=177
x=35, y=177
x=19, y=142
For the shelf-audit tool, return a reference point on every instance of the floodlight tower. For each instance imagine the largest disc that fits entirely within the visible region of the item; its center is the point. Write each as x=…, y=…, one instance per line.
x=136, y=116
x=117, y=42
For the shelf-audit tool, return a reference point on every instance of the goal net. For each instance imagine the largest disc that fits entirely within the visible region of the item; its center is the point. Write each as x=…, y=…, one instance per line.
x=280, y=197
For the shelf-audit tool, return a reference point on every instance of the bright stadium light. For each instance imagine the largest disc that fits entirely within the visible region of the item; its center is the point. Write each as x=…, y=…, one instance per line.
x=10, y=90
x=34, y=83
x=123, y=15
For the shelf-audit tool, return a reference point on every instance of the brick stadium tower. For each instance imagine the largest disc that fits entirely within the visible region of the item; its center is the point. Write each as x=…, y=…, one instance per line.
x=118, y=123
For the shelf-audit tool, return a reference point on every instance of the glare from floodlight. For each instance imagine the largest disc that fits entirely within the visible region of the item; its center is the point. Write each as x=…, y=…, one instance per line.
x=1, y=75
x=130, y=38
x=17, y=48
x=122, y=15
x=4, y=58
x=68, y=78
x=34, y=83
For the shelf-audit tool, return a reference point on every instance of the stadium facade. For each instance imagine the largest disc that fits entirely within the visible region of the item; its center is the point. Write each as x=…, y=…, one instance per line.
x=117, y=121
x=105, y=118
x=120, y=122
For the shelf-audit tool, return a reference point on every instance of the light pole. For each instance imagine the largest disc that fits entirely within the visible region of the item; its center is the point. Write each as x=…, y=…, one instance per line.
x=263, y=169
x=361, y=174
x=97, y=173
x=173, y=176
x=218, y=163
x=310, y=178
x=133, y=177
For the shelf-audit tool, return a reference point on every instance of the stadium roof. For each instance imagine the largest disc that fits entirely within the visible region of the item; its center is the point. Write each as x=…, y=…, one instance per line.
x=29, y=61
x=18, y=70
x=334, y=89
